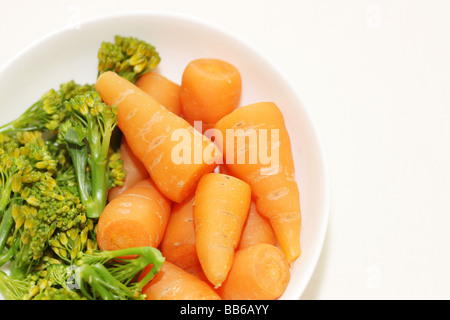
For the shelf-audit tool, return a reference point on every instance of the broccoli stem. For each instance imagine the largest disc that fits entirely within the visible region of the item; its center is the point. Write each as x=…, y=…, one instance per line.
x=21, y=264
x=99, y=146
x=79, y=156
x=152, y=254
x=147, y=256
x=5, y=228
x=13, y=288
x=6, y=256
x=103, y=283
x=88, y=134
x=23, y=122
x=113, y=282
x=23, y=258
x=6, y=195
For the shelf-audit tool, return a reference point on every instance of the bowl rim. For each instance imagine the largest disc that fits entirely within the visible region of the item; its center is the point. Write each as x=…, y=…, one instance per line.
x=323, y=165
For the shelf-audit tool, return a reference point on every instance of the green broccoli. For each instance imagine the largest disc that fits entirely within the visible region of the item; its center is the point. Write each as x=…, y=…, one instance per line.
x=87, y=134
x=129, y=57
x=67, y=244
x=49, y=111
x=24, y=159
x=6, y=225
x=52, y=282
x=11, y=162
x=14, y=288
x=35, y=203
x=57, y=162
x=99, y=275
x=46, y=189
x=104, y=275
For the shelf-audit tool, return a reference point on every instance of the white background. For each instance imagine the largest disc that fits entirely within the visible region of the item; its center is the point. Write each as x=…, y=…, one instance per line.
x=375, y=75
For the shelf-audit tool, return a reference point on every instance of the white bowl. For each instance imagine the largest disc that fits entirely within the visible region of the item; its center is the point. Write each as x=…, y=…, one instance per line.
x=71, y=54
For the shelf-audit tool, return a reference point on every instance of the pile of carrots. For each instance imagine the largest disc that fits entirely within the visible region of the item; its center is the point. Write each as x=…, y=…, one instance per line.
x=228, y=230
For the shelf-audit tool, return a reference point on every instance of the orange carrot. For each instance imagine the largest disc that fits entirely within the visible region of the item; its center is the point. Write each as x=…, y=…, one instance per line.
x=210, y=89
x=162, y=89
x=173, y=283
x=259, y=272
x=135, y=171
x=153, y=134
x=221, y=205
x=257, y=229
x=272, y=179
x=138, y=217
x=178, y=244
x=224, y=169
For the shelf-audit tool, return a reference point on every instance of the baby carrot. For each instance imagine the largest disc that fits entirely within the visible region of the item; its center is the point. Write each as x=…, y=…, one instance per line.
x=259, y=272
x=173, y=283
x=272, y=179
x=221, y=205
x=135, y=170
x=138, y=217
x=210, y=89
x=162, y=89
x=150, y=129
x=178, y=244
x=257, y=229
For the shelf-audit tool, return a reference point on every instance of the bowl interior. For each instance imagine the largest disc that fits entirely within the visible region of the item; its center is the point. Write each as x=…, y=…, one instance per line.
x=71, y=54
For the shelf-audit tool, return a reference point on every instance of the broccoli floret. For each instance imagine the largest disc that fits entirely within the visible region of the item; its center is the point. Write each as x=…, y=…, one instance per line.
x=87, y=134
x=33, y=203
x=49, y=111
x=129, y=57
x=48, y=208
x=116, y=170
x=24, y=160
x=69, y=243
